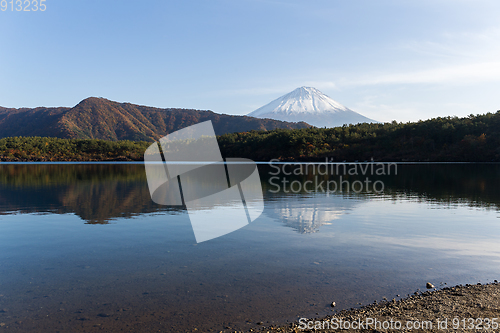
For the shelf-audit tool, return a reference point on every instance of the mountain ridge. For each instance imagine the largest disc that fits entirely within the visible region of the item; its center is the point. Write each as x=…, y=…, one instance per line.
x=100, y=118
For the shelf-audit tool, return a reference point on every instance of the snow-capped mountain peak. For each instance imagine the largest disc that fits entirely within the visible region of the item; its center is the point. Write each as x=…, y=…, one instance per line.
x=301, y=100
x=310, y=105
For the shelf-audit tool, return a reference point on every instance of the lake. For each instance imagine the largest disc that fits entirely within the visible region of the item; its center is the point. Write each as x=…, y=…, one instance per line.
x=83, y=247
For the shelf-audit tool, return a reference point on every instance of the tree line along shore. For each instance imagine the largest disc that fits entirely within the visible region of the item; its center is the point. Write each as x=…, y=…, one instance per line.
x=475, y=138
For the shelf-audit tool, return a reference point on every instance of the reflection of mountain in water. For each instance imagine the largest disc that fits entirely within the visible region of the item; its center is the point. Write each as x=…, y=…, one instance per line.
x=95, y=192
x=308, y=214
x=101, y=192
x=474, y=185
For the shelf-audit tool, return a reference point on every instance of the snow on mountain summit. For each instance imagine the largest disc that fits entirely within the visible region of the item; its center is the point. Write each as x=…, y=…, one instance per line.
x=301, y=100
x=312, y=106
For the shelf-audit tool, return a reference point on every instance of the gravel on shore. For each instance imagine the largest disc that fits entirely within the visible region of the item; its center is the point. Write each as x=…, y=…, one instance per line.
x=469, y=308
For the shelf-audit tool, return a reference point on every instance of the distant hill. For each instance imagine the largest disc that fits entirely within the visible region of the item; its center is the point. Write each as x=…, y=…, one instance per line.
x=100, y=118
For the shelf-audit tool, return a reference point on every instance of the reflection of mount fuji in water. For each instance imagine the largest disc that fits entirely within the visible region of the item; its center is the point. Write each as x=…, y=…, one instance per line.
x=98, y=193
x=474, y=185
x=308, y=214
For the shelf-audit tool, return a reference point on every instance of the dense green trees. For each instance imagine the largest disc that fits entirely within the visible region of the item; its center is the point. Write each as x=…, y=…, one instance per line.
x=472, y=138
x=54, y=149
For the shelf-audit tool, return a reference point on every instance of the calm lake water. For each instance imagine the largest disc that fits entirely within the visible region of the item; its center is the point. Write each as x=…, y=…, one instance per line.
x=83, y=247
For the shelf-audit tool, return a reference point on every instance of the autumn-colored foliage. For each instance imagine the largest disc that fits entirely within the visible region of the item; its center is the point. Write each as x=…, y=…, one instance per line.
x=55, y=149
x=469, y=139
x=99, y=118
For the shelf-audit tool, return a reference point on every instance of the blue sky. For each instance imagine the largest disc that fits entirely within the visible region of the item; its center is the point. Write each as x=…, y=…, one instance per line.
x=389, y=60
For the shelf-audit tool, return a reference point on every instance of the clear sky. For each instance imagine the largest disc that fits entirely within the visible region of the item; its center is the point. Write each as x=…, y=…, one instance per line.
x=401, y=60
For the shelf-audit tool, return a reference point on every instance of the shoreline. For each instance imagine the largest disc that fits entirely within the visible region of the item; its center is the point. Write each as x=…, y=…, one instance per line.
x=462, y=308
x=258, y=162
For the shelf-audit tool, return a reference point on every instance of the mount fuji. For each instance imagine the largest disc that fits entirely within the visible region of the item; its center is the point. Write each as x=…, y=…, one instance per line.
x=312, y=106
